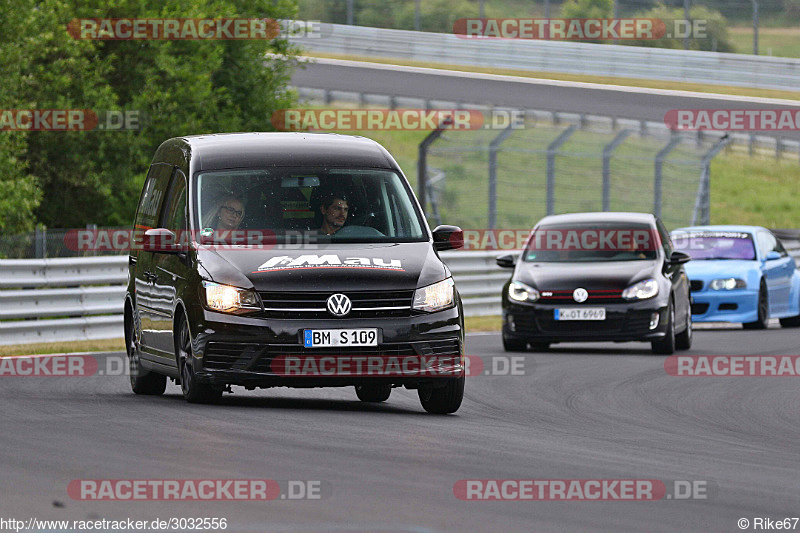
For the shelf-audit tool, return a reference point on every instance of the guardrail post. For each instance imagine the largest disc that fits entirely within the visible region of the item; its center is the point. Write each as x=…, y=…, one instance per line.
x=673, y=142
x=607, y=151
x=552, y=150
x=494, y=147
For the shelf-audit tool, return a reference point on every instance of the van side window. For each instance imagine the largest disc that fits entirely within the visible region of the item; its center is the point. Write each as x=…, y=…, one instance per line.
x=174, y=213
x=152, y=197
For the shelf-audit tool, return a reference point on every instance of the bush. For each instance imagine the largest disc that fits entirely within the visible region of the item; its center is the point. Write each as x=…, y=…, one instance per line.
x=716, y=29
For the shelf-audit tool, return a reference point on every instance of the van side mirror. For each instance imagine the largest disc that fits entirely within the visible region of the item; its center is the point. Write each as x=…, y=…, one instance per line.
x=507, y=261
x=772, y=255
x=448, y=238
x=161, y=240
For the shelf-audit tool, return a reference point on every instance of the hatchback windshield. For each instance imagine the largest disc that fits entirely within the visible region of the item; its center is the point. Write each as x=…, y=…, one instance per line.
x=307, y=205
x=590, y=242
x=715, y=245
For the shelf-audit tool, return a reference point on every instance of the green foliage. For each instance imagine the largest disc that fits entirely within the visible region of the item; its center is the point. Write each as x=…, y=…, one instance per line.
x=585, y=9
x=716, y=29
x=178, y=87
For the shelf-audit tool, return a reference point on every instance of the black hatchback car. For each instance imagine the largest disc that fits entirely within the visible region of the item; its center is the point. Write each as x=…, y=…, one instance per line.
x=597, y=277
x=290, y=259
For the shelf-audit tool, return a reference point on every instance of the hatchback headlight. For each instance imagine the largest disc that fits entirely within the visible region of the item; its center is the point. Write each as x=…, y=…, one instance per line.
x=520, y=292
x=641, y=291
x=230, y=299
x=435, y=297
x=727, y=284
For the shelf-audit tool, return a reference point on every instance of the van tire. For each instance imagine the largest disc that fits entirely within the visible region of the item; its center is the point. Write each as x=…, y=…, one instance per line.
x=443, y=400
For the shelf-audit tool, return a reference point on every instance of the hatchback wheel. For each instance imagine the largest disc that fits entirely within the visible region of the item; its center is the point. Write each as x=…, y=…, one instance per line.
x=666, y=346
x=683, y=340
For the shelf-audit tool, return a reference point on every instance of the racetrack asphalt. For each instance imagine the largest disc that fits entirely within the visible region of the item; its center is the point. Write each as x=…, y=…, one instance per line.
x=520, y=92
x=578, y=411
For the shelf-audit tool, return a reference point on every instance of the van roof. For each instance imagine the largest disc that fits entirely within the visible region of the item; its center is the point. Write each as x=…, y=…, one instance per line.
x=248, y=150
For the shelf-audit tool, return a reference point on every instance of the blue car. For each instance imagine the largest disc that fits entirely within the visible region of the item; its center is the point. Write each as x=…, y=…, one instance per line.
x=740, y=274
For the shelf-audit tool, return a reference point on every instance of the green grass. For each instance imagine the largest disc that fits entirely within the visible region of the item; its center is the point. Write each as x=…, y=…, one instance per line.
x=744, y=190
x=483, y=323
x=105, y=345
x=779, y=42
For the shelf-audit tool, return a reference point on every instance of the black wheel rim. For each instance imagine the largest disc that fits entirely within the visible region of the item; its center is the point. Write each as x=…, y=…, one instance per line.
x=183, y=352
x=133, y=357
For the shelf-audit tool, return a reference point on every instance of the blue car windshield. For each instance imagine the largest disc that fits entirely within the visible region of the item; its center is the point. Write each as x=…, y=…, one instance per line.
x=715, y=245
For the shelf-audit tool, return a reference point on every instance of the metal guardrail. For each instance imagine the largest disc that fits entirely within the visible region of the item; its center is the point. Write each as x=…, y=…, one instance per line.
x=87, y=303
x=557, y=56
x=61, y=300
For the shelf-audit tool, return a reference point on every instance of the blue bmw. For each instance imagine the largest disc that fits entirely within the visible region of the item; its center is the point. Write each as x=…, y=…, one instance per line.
x=740, y=274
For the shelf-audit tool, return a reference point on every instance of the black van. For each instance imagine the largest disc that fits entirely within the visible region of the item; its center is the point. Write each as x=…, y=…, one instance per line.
x=289, y=259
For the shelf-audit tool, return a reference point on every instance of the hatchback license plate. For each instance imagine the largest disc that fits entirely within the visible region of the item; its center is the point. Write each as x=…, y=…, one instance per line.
x=329, y=338
x=580, y=313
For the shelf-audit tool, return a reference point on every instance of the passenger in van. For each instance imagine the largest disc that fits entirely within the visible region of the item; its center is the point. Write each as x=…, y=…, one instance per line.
x=227, y=213
x=334, y=208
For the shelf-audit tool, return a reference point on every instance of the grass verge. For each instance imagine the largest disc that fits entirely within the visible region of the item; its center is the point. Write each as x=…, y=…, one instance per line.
x=104, y=345
x=483, y=323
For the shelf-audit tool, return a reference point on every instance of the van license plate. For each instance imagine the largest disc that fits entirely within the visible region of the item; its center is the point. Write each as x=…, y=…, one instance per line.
x=581, y=313
x=328, y=338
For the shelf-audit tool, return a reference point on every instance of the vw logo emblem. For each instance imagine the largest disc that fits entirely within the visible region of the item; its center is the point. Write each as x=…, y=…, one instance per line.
x=339, y=305
x=580, y=294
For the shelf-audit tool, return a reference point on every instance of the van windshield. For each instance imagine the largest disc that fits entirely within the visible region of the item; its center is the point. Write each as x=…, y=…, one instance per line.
x=306, y=205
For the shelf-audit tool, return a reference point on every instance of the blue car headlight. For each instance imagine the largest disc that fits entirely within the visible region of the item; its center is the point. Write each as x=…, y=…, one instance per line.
x=727, y=284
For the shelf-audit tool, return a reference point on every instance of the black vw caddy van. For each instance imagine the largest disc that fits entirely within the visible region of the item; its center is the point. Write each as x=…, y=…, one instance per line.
x=289, y=259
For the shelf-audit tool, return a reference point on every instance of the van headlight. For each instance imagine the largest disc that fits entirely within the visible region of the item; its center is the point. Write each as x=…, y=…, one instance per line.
x=727, y=284
x=641, y=291
x=435, y=297
x=519, y=292
x=230, y=299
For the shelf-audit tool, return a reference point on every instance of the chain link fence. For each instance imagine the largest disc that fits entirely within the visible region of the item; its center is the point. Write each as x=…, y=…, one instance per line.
x=564, y=164
x=45, y=242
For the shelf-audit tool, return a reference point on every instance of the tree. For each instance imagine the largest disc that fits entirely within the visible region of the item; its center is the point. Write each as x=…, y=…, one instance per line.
x=716, y=29
x=587, y=9
x=180, y=88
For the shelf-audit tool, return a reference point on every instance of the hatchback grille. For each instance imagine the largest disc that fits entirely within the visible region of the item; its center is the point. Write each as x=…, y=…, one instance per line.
x=313, y=304
x=596, y=296
x=696, y=285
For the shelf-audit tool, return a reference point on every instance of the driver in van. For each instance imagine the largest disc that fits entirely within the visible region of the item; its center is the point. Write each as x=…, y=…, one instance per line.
x=334, y=208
